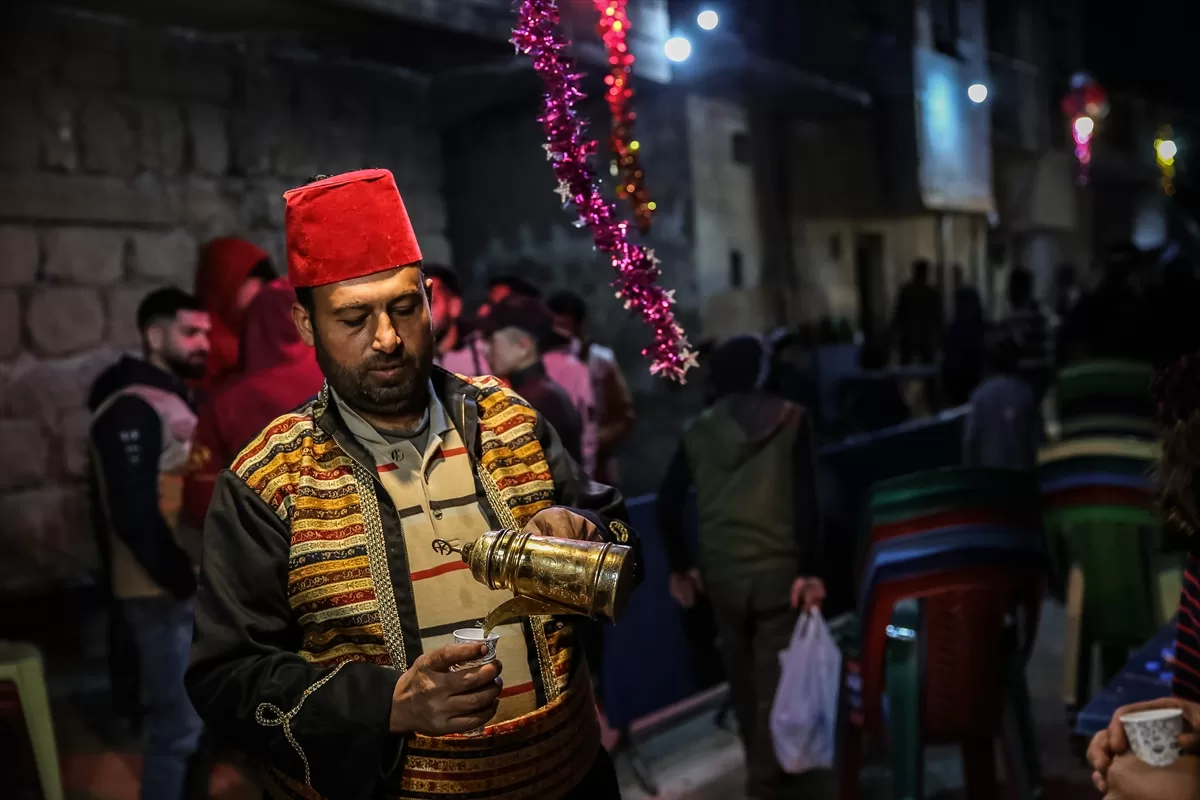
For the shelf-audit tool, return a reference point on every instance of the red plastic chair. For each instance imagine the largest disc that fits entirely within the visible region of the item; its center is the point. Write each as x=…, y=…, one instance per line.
x=961, y=636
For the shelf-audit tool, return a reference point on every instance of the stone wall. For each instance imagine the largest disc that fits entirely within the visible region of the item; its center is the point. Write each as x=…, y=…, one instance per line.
x=122, y=150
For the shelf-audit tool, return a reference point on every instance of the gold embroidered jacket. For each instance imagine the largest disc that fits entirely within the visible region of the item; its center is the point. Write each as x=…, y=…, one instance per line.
x=302, y=680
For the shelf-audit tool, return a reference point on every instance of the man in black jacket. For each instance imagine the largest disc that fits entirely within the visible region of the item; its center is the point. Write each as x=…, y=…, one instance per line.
x=142, y=421
x=328, y=600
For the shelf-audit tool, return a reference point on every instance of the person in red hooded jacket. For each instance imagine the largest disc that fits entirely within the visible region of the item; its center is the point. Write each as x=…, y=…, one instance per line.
x=278, y=373
x=232, y=271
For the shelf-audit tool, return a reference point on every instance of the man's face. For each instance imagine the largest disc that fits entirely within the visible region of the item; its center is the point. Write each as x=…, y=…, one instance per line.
x=183, y=343
x=444, y=307
x=508, y=350
x=373, y=339
x=568, y=326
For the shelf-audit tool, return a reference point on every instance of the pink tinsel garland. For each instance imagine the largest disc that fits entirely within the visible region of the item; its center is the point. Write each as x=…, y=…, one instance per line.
x=570, y=150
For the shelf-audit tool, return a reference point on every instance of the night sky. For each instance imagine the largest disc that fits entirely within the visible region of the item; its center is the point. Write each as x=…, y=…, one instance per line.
x=1150, y=49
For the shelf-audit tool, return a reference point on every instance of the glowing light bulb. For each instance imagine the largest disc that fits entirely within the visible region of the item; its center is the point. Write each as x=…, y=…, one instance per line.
x=1166, y=149
x=678, y=49
x=1084, y=126
x=707, y=20
x=977, y=92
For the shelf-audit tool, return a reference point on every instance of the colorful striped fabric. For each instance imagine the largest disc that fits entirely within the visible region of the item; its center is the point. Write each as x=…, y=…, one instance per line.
x=342, y=593
x=1187, y=644
x=435, y=497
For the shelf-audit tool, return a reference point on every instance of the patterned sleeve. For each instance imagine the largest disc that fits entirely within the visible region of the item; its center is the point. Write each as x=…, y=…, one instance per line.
x=1187, y=645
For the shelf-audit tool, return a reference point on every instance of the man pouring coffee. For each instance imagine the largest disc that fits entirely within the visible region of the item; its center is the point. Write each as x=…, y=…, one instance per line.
x=325, y=616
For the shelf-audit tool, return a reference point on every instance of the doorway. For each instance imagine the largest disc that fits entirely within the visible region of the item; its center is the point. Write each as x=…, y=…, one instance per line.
x=868, y=275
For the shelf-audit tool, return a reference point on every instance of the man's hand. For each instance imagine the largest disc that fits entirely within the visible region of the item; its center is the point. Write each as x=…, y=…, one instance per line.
x=1130, y=778
x=685, y=586
x=1111, y=742
x=431, y=699
x=562, y=523
x=808, y=593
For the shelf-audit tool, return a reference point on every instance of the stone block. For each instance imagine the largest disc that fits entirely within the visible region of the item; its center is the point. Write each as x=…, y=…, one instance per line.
x=74, y=431
x=255, y=140
x=62, y=320
x=145, y=200
x=210, y=210
x=161, y=141
x=208, y=134
x=84, y=255
x=49, y=530
x=10, y=323
x=60, y=130
x=107, y=138
x=18, y=255
x=43, y=389
x=169, y=257
x=122, y=301
x=176, y=66
x=92, y=52
x=27, y=462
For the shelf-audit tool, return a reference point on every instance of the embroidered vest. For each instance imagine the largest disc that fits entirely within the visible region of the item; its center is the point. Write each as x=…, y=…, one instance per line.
x=342, y=592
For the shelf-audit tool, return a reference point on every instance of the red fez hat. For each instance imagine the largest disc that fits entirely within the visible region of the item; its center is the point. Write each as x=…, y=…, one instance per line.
x=347, y=226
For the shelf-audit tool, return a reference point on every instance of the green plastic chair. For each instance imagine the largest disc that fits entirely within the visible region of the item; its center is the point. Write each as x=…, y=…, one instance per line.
x=1112, y=378
x=1129, y=586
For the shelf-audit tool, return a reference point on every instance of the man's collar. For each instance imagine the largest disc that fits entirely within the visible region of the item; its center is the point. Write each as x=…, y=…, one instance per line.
x=534, y=371
x=439, y=420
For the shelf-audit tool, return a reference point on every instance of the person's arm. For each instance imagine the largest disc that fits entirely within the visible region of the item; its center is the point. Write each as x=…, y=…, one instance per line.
x=328, y=727
x=807, y=507
x=602, y=507
x=127, y=441
x=205, y=463
x=672, y=505
x=619, y=415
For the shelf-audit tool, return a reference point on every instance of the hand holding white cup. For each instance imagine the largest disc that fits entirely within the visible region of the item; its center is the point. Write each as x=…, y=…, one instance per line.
x=1154, y=735
x=475, y=636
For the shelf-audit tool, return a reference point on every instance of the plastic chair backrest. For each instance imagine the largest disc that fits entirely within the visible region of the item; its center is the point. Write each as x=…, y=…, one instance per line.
x=1100, y=446
x=1111, y=425
x=1118, y=464
x=1093, y=495
x=961, y=545
x=1103, y=377
x=930, y=484
x=1082, y=479
x=965, y=601
x=1112, y=547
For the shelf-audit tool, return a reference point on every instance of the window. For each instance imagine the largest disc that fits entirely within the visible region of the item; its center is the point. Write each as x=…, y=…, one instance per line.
x=944, y=14
x=736, y=279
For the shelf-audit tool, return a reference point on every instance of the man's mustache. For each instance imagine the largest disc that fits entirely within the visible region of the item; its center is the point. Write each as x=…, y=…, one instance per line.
x=386, y=363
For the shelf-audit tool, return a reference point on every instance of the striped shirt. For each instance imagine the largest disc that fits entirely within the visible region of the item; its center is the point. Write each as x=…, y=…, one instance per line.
x=1187, y=643
x=436, y=497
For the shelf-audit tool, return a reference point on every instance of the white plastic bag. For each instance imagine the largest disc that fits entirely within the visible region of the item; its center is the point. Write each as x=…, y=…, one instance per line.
x=804, y=714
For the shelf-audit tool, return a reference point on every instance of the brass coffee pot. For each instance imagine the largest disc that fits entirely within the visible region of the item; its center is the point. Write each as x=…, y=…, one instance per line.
x=549, y=575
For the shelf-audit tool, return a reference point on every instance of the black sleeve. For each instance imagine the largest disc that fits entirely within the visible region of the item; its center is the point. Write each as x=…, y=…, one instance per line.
x=327, y=727
x=128, y=443
x=573, y=489
x=808, y=512
x=672, y=501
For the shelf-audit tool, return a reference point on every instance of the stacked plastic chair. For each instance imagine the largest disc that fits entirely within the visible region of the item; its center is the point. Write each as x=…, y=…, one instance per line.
x=1104, y=538
x=951, y=560
x=1105, y=398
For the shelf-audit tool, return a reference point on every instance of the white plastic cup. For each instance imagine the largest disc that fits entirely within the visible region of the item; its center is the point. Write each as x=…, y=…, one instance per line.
x=1154, y=735
x=475, y=636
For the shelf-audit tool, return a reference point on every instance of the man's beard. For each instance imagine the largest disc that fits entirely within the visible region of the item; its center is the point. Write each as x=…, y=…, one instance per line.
x=363, y=391
x=186, y=367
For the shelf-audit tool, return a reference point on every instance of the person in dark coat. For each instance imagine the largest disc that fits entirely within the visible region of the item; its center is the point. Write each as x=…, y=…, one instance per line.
x=963, y=350
x=751, y=460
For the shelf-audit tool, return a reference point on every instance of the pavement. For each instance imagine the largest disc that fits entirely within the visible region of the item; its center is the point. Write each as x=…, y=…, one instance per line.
x=693, y=758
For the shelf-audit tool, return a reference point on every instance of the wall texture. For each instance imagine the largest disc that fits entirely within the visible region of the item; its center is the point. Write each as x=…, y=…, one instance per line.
x=123, y=150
